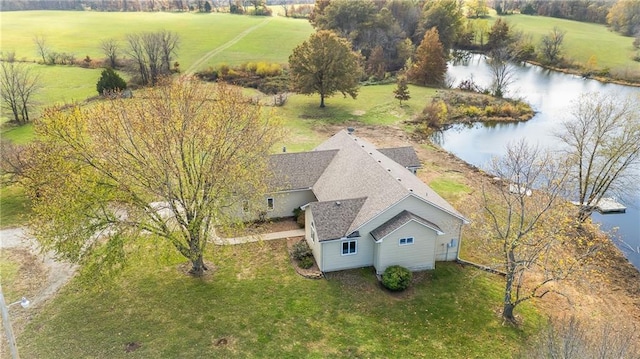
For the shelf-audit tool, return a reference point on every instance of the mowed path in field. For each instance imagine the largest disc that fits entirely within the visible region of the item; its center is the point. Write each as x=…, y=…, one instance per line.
x=224, y=46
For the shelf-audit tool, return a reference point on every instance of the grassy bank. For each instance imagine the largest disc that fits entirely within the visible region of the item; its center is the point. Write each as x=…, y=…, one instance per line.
x=582, y=40
x=254, y=305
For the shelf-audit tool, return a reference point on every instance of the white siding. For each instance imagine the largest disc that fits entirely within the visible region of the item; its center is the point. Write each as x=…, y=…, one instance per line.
x=417, y=256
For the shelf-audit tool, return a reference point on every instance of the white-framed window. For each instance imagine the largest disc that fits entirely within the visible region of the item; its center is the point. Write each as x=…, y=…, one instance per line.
x=349, y=247
x=270, y=204
x=405, y=241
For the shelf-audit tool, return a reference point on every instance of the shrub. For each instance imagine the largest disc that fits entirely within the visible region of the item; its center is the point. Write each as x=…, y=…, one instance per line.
x=396, y=278
x=301, y=250
x=435, y=113
x=110, y=81
x=507, y=110
x=472, y=111
x=306, y=262
x=299, y=214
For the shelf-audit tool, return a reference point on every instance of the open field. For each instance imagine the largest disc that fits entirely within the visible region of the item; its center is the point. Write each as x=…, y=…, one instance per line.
x=581, y=41
x=255, y=305
x=80, y=33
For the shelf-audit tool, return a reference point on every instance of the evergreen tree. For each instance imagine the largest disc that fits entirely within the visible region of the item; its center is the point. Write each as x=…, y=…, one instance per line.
x=110, y=81
x=401, y=91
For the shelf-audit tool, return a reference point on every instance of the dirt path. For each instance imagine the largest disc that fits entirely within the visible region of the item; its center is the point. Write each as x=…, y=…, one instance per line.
x=54, y=274
x=192, y=69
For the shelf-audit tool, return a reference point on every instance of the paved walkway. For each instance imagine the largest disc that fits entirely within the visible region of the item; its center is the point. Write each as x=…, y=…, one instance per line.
x=259, y=237
x=58, y=272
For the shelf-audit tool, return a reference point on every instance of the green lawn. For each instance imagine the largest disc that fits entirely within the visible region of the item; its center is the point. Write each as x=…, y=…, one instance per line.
x=582, y=40
x=14, y=206
x=375, y=105
x=262, y=308
x=80, y=33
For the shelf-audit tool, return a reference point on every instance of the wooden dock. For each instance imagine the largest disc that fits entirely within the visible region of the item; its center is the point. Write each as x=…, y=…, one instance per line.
x=610, y=205
x=607, y=205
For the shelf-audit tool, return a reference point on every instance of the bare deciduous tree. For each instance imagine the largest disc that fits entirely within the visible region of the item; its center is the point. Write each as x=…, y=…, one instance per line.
x=111, y=49
x=502, y=69
x=571, y=339
x=18, y=85
x=602, y=148
x=41, y=45
x=551, y=45
x=167, y=165
x=153, y=54
x=528, y=226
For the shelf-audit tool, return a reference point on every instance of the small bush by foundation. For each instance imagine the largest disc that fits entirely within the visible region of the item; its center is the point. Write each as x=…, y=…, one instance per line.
x=396, y=278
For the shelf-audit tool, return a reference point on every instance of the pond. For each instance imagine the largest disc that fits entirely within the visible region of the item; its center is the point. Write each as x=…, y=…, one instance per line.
x=550, y=94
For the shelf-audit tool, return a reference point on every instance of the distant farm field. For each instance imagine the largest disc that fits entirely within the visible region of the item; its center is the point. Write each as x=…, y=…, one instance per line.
x=80, y=32
x=205, y=40
x=582, y=40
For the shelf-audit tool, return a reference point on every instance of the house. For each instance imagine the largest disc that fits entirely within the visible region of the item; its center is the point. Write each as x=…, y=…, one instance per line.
x=364, y=206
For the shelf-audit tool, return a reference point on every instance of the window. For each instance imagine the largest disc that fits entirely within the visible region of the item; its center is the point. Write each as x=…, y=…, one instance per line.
x=349, y=247
x=406, y=241
x=270, y=204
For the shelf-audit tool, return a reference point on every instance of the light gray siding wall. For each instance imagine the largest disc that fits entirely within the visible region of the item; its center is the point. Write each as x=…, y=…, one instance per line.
x=315, y=246
x=449, y=224
x=286, y=202
x=333, y=259
x=417, y=256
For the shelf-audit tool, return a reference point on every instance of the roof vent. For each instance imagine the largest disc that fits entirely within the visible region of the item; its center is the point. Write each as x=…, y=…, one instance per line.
x=284, y=149
x=350, y=130
x=410, y=189
x=362, y=146
x=338, y=203
x=389, y=169
x=399, y=179
x=379, y=161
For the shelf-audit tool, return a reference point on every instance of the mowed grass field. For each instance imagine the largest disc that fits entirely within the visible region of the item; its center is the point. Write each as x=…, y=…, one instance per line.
x=254, y=305
x=244, y=38
x=582, y=40
x=80, y=33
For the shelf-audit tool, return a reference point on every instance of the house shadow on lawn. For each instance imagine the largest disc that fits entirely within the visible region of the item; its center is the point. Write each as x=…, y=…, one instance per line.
x=365, y=280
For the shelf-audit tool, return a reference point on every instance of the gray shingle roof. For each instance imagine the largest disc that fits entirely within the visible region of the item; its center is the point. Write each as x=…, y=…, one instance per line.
x=398, y=221
x=298, y=170
x=359, y=170
x=406, y=156
x=333, y=218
